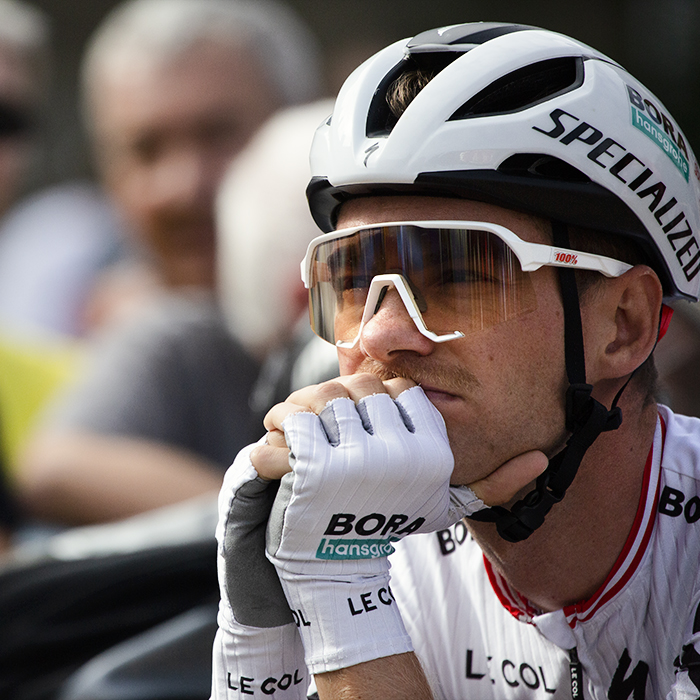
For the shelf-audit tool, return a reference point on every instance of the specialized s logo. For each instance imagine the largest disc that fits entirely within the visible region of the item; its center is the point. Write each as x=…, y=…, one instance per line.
x=369, y=151
x=649, y=119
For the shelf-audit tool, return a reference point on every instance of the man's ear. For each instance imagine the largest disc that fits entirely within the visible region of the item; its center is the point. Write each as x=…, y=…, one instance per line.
x=623, y=320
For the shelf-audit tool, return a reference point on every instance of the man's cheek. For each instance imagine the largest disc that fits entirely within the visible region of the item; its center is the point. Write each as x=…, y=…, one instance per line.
x=349, y=361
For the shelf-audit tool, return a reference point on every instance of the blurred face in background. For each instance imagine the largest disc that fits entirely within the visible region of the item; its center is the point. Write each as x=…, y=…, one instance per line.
x=17, y=106
x=165, y=131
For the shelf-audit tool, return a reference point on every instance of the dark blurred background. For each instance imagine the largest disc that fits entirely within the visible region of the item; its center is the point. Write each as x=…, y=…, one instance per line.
x=657, y=40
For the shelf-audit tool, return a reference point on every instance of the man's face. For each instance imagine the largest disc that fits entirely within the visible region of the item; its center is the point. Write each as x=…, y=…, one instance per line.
x=500, y=390
x=165, y=132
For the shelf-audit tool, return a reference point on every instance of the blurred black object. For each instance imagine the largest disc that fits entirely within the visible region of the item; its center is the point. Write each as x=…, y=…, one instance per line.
x=55, y=615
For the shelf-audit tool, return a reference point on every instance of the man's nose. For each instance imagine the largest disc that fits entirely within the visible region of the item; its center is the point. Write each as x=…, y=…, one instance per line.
x=391, y=330
x=181, y=180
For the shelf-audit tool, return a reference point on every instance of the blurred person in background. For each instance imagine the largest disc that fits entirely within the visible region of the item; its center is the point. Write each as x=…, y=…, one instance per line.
x=54, y=241
x=24, y=39
x=173, y=90
x=262, y=297
x=24, y=50
x=55, y=245
x=259, y=250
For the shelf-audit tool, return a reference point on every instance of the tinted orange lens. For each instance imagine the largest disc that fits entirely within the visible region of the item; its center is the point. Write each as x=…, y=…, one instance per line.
x=462, y=279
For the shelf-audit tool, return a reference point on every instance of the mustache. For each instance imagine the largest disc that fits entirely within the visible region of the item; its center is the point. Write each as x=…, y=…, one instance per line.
x=439, y=375
x=182, y=220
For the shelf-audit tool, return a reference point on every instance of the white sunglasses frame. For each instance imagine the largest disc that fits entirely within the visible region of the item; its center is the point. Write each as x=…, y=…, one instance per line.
x=531, y=256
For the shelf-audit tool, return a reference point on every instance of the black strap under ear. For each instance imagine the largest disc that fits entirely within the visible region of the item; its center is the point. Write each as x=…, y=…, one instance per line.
x=586, y=419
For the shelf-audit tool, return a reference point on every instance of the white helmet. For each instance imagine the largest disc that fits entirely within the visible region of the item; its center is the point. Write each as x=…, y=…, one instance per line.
x=525, y=118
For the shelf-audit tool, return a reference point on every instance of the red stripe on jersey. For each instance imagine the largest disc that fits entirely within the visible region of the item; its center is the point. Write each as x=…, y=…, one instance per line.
x=517, y=605
x=636, y=542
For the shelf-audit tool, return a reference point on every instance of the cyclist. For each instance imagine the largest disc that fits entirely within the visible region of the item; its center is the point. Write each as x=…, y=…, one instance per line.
x=505, y=211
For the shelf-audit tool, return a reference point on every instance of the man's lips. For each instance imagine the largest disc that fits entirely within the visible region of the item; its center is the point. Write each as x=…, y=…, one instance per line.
x=436, y=394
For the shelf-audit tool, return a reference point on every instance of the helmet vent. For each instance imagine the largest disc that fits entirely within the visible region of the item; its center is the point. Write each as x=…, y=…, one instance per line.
x=525, y=87
x=542, y=166
x=461, y=36
x=382, y=116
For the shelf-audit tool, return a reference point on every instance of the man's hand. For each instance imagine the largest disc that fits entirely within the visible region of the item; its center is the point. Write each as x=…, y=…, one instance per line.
x=364, y=468
x=362, y=463
x=257, y=649
x=272, y=460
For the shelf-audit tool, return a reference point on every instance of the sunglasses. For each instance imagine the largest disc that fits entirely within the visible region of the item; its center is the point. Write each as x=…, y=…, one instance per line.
x=453, y=277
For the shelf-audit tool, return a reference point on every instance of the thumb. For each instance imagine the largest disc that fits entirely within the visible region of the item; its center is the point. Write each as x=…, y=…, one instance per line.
x=503, y=484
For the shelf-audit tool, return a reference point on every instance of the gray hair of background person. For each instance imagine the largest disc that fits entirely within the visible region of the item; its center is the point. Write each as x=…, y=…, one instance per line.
x=25, y=33
x=165, y=29
x=260, y=246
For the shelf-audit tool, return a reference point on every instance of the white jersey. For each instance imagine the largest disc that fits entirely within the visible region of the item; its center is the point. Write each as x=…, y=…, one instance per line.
x=638, y=637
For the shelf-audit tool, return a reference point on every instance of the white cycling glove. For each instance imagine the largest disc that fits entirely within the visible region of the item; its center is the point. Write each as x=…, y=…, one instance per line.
x=363, y=476
x=257, y=650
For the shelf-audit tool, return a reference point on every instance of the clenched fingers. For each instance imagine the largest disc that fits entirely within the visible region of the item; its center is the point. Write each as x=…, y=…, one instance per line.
x=271, y=460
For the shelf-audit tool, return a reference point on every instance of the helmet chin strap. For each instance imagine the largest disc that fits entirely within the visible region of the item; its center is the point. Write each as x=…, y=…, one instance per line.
x=586, y=419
